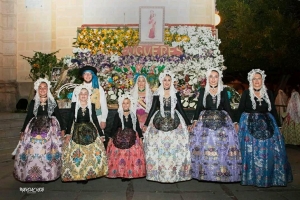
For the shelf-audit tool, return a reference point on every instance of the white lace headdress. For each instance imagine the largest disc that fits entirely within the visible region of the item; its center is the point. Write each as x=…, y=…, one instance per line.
x=207, y=86
x=135, y=93
x=263, y=90
x=131, y=109
x=50, y=99
x=293, y=107
x=160, y=92
x=76, y=92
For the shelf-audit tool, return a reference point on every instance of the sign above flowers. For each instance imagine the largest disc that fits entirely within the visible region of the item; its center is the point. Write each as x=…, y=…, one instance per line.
x=152, y=50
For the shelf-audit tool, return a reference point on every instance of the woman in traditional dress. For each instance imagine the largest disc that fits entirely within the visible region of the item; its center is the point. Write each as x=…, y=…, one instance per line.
x=38, y=157
x=166, y=142
x=125, y=152
x=214, y=143
x=141, y=93
x=291, y=124
x=281, y=102
x=84, y=155
x=264, y=158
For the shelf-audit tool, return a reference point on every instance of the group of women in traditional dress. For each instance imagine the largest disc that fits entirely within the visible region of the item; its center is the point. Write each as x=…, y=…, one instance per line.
x=153, y=137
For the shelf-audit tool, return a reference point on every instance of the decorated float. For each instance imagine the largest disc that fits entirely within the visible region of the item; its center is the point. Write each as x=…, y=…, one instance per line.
x=119, y=56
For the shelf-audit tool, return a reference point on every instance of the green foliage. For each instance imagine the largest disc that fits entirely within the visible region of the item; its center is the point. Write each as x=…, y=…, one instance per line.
x=259, y=34
x=42, y=64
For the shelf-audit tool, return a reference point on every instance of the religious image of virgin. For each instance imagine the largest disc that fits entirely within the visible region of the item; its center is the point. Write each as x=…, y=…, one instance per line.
x=152, y=24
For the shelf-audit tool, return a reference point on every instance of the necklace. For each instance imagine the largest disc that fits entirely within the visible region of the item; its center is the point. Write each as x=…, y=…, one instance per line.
x=166, y=88
x=256, y=90
x=43, y=105
x=167, y=101
x=126, y=117
x=43, y=101
x=259, y=100
x=142, y=90
x=214, y=99
x=83, y=111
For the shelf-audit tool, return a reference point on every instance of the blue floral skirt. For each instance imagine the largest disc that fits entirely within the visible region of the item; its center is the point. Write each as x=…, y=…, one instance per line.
x=264, y=159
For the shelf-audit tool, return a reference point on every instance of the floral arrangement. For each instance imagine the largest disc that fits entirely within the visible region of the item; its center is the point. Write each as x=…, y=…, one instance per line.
x=102, y=49
x=42, y=64
x=106, y=41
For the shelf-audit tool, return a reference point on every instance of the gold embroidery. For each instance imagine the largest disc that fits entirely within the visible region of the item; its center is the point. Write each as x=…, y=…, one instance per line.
x=95, y=98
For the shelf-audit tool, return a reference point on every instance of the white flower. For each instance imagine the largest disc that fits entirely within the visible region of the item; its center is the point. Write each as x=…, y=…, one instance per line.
x=75, y=50
x=114, y=58
x=192, y=104
x=185, y=104
x=113, y=97
x=110, y=92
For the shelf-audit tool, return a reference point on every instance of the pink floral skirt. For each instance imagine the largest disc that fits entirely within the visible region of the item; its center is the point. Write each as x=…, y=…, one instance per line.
x=126, y=163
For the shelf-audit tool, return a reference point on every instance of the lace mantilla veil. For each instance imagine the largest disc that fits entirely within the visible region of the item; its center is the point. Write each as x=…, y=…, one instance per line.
x=77, y=91
x=37, y=102
x=160, y=92
x=135, y=93
x=207, y=86
x=132, y=109
x=263, y=90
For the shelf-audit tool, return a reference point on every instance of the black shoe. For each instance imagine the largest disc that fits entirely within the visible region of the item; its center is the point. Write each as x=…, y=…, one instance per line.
x=125, y=179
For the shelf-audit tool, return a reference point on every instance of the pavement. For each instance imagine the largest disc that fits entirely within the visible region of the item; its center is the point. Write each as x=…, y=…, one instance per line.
x=141, y=189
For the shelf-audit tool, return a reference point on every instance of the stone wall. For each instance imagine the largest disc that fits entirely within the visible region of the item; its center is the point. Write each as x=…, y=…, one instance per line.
x=8, y=96
x=8, y=52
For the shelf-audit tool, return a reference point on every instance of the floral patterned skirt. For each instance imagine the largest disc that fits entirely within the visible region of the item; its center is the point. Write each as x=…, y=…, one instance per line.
x=83, y=162
x=38, y=158
x=264, y=161
x=126, y=163
x=291, y=131
x=215, y=148
x=168, y=158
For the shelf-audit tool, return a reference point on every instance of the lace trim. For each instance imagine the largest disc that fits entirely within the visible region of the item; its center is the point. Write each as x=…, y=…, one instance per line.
x=207, y=86
x=78, y=104
x=148, y=96
x=160, y=92
x=50, y=99
x=263, y=91
x=132, y=110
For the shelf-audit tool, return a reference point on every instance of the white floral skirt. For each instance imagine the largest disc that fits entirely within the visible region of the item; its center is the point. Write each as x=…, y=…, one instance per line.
x=168, y=158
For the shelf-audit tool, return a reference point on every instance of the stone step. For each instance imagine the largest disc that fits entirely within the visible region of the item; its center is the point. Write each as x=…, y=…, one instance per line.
x=11, y=123
x=5, y=154
x=11, y=132
x=9, y=142
x=9, y=116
